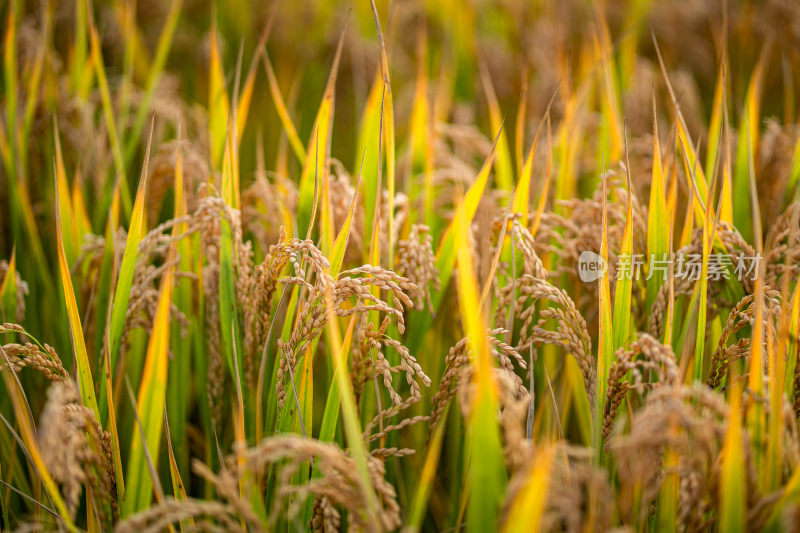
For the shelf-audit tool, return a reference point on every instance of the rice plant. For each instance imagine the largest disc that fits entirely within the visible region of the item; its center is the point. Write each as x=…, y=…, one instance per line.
x=423, y=265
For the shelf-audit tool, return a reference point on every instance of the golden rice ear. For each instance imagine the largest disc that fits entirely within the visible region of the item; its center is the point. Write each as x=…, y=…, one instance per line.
x=657, y=360
x=44, y=359
x=77, y=452
x=416, y=261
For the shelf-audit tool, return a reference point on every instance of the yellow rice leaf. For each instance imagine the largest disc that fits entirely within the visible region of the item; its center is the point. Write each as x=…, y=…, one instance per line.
x=349, y=411
x=635, y=17
x=794, y=175
x=792, y=345
x=134, y=40
x=625, y=274
x=246, y=96
x=108, y=112
x=446, y=255
x=29, y=437
x=420, y=138
x=486, y=470
x=701, y=291
x=342, y=238
x=716, y=123
x=150, y=402
x=154, y=70
x=469, y=205
x=612, y=122
x=789, y=495
x=67, y=221
x=747, y=147
x=526, y=510
x=605, y=346
x=756, y=421
x=122, y=291
x=522, y=111
x=776, y=371
x=669, y=492
x=694, y=174
x=283, y=112
x=732, y=488
x=427, y=476
x=696, y=180
x=369, y=130
x=315, y=167
x=85, y=381
x=657, y=231
x=8, y=291
x=715, y=131
x=178, y=488
x=505, y=170
x=218, y=106
x=82, y=224
x=521, y=199
x=388, y=135
x=330, y=416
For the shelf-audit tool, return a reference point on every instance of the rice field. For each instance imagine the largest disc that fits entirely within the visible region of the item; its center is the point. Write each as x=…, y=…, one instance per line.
x=422, y=265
